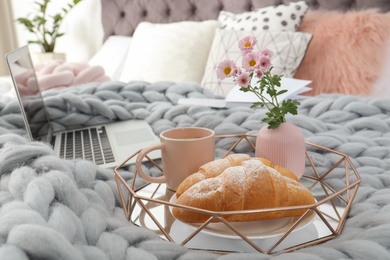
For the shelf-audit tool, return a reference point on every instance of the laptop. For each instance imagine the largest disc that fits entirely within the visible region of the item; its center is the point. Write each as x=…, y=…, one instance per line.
x=108, y=145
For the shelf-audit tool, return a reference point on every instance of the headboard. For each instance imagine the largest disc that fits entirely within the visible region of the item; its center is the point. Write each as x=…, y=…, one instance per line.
x=121, y=17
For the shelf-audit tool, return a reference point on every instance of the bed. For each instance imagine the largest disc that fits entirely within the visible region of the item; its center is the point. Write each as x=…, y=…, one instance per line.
x=71, y=209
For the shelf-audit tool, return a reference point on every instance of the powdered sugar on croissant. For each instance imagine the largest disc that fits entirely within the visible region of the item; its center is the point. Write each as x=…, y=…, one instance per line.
x=216, y=167
x=210, y=170
x=252, y=185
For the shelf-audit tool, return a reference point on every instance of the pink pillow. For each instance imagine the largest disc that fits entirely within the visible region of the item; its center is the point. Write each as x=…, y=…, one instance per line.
x=347, y=51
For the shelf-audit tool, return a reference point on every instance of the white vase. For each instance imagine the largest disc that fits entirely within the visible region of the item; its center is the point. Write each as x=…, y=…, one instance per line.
x=43, y=57
x=284, y=146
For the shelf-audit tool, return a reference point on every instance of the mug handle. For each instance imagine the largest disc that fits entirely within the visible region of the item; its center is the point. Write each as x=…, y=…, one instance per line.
x=140, y=158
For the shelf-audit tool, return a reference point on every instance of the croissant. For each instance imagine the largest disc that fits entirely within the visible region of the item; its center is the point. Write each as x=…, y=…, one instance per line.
x=253, y=185
x=210, y=170
x=216, y=167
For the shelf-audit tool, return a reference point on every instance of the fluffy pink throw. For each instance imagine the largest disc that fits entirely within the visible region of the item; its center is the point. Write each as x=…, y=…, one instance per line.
x=347, y=52
x=59, y=74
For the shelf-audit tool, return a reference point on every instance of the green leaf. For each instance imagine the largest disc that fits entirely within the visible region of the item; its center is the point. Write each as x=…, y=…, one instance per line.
x=276, y=80
x=244, y=89
x=281, y=92
x=257, y=104
x=272, y=124
x=57, y=18
x=290, y=106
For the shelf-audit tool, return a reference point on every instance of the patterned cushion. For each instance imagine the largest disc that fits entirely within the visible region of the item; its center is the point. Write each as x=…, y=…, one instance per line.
x=285, y=17
x=289, y=49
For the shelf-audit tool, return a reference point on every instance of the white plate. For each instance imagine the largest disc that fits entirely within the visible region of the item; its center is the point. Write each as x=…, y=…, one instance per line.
x=254, y=229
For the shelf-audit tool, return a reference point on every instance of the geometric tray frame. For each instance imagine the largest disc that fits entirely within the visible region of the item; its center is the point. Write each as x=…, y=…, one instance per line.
x=344, y=195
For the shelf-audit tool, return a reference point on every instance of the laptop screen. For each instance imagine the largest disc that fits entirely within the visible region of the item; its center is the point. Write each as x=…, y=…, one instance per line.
x=26, y=86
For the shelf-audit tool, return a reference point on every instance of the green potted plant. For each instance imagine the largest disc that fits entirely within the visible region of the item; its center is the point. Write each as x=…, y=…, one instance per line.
x=44, y=26
x=278, y=141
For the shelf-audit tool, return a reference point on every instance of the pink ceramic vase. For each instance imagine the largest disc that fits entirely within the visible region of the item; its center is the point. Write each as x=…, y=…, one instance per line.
x=284, y=146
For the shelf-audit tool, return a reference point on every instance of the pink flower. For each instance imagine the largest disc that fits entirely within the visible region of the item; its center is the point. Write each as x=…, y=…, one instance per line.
x=243, y=80
x=264, y=63
x=250, y=62
x=259, y=74
x=247, y=43
x=267, y=53
x=237, y=71
x=226, y=68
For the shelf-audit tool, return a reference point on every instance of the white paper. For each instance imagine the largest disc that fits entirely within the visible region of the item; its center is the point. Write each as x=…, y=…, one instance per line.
x=210, y=102
x=236, y=97
x=294, y=87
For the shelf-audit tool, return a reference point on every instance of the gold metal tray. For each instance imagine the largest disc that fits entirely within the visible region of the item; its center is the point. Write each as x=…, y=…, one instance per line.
x=329, y=175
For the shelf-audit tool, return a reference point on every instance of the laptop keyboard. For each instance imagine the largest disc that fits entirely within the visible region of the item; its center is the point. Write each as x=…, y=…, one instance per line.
x=90, y=144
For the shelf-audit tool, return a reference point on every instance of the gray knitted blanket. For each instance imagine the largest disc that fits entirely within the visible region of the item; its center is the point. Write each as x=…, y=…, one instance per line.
x=70, y=209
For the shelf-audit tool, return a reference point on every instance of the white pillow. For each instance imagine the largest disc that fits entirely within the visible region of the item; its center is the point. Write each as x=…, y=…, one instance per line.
x=169, y=52
x=289, y=49
x=112, y=55
x=284, y=17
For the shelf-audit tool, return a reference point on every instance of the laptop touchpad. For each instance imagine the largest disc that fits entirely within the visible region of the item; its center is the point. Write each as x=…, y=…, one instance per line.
x=133, y=136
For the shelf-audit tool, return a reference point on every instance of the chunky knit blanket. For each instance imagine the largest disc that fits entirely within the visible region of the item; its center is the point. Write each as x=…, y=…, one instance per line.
x=70, y=209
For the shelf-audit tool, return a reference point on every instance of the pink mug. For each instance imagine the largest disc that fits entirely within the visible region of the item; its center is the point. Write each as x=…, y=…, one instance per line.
x=183, y=151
